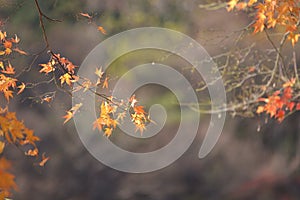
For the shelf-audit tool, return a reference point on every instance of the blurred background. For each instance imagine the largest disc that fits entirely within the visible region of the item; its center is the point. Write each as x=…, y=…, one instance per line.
x=252, y=160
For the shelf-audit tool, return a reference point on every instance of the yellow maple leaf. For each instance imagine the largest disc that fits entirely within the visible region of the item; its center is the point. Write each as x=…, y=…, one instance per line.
x=108, y=132
x=2, y=35
x=231, y=4
x=21, y=88
x=99, y=72
x=66, y=78
x=7, y=51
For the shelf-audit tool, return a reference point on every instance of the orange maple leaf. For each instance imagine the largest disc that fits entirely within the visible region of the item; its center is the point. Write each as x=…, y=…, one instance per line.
x=44, y=160
x=9, y=69
x=102, y=30
x=7, y=44
x=260, y=109
x=71, y=112
x=47, y=68
x=8, y=94
x=86, y=15
x=68, y=116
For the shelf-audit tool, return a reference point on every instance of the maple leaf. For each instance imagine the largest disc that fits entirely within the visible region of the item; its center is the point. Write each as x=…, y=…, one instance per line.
x=294, y=38
x=85, y=15
x=2, y=145
x=71, y=112
x=271, y=109
x=241, y=5
x=86, y=84
x=97, y=124
x=287, y=93
x=7, y=182
x=106, y=122
x=121, y=116
x=47, y=99
x=289, y=83
x=70, y=67
x=2, y=35
x=8, y=94
x=132, y=100
x=139, y=109
x=21, y=88
x=7, y=51
x=105, y=83
x=47, y=68
x=108, y=132
x=44, y=160
x=7, y=44
x=99, y=72
x=280, y=115
x=102, y=30
x=251, y=2
x=30, y=137
x=66, y=78
x=9, y=69
x=260, y=109
x=68, y=116
x=290, y=105
x=76, y=107
x=231, y=4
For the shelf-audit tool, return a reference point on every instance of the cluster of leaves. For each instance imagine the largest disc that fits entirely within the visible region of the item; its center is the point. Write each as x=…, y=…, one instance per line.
x=280, y=103
x=276, y=86
x=12, y=130
x=7, y=82
x=15, y=132
x=64, y=65
x=7, y=182
x=270, y=13
x=90, y=19
x=138, y=115
x=107, y=122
